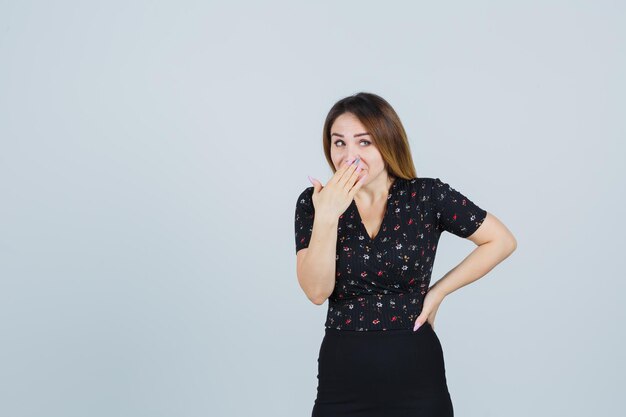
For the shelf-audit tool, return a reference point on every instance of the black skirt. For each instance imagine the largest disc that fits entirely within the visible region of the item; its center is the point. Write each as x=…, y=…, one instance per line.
x=390, y=373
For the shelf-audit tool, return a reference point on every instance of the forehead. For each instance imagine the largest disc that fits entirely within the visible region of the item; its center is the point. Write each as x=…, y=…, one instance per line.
x=347, y=124
x=346, y=121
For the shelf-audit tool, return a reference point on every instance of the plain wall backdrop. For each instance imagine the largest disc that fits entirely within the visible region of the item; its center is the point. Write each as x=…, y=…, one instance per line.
x=152, y=154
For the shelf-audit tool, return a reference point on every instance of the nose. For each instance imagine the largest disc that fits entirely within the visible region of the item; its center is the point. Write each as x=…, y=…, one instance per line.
x=351, y=158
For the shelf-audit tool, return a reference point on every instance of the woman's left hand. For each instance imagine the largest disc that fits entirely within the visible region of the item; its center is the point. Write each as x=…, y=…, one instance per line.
x=432, y=300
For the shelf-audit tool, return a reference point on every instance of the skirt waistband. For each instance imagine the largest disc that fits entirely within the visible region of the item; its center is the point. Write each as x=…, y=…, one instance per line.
x=374, y=333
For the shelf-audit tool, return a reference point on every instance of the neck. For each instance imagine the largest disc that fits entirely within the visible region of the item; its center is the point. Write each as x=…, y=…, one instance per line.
x=375, y=190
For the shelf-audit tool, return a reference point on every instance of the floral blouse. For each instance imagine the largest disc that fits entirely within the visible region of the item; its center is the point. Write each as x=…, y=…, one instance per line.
x=381, y=283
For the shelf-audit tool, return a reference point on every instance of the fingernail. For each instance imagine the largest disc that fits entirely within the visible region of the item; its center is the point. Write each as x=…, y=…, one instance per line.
x=416, y=327
x=311, y=179
x=357, y=160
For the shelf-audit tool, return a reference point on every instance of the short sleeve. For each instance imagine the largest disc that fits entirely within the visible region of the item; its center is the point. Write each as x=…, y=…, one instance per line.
x=305, y=213
x=455, y=212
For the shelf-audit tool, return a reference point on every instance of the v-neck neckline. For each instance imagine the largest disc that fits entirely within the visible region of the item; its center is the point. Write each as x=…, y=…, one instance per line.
x=385, y=215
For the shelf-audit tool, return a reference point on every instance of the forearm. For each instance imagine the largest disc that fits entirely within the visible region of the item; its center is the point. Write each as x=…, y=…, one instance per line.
x=317, y=272
x=480, y=261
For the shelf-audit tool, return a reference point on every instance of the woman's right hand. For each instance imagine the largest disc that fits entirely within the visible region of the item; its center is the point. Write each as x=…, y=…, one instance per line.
x=335, y=197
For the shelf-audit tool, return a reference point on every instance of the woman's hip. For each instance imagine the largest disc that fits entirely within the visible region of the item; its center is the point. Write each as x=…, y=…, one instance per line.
x=390, y=362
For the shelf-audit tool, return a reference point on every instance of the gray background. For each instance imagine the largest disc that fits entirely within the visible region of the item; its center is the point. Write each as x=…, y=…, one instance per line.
x=151, y=158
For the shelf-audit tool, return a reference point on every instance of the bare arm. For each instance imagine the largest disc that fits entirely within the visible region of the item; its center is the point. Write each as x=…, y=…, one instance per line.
x=316, y=263
x=495, y=243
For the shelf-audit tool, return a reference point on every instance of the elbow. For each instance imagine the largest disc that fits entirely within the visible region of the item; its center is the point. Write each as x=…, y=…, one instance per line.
x=505, y=245
x=313, y=294
x=318, y=300
x=511, y=244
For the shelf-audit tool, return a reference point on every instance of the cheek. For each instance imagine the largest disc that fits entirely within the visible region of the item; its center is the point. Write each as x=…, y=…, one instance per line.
x=337, y=160
x=370, y=161
x=373, y=160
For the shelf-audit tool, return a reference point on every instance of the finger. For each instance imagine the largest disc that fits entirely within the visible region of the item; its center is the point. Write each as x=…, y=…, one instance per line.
x=354, y=176
x=339, y=172
x=357, y=186
x=317, y=186
x=418, y=322
x=347, y=174
x=344, y=166
x=347, y=163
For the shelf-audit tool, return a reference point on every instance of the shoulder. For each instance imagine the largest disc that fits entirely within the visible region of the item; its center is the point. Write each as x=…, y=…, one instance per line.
x=431, y=183
x=306, y=196
x=418, y=181
x=421, y=186
x=307, y=193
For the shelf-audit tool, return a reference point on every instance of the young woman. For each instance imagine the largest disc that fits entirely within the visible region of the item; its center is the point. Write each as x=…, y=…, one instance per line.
x=366, y=242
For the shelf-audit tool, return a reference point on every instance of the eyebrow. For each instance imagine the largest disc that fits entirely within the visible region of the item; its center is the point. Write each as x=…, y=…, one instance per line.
x=356, y=136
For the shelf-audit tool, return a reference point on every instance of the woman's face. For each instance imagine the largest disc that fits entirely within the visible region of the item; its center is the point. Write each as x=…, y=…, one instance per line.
x=348, y=140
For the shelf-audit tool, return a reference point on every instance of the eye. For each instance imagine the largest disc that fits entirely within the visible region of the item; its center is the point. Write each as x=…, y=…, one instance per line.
x=361, y=141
